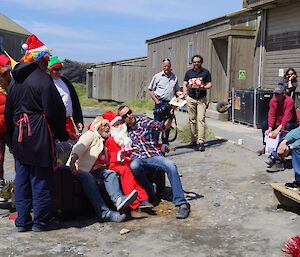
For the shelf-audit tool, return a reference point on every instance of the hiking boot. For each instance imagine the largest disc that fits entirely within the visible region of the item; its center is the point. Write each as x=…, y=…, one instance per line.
x=278, y=166
x=145, y=205
x=261, y=151
x=124, y=200
x=114, y=216
x=295, y=185
x=200, y=147
x=183, y=211
x=270, y=162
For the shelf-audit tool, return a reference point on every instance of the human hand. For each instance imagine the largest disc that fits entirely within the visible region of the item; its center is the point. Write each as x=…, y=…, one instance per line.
x=73, y=167
x=79, y=127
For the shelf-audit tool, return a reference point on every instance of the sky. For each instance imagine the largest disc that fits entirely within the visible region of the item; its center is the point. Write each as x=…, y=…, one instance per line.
x=110, y=30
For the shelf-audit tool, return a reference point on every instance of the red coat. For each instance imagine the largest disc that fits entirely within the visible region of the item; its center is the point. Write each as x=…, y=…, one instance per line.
x=2, y=121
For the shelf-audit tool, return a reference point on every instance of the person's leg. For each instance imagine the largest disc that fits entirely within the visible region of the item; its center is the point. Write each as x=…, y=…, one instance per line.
x=192, y=112
x=290, y=126
x=296, y=163
x=2, y=153
x=23, y=196
x=90, y=188
x=201, y=109
x=112, y=186
x=166, y=165
x=138, y=171
x=155, y=134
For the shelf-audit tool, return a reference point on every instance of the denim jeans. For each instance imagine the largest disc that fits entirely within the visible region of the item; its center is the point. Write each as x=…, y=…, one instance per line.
x=296, y=163
x=138, y=167
x=89, y=184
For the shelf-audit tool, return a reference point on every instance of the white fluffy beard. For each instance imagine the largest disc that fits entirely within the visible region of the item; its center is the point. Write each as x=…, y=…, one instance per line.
x=120, y=135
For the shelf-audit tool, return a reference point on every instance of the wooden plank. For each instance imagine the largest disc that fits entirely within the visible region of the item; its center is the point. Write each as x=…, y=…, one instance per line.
x=286, y=197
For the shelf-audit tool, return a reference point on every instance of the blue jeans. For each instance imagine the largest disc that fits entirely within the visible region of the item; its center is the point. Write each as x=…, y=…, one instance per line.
x=89, y=184
x=296, y=163
x=33, y=190
x=162, y=164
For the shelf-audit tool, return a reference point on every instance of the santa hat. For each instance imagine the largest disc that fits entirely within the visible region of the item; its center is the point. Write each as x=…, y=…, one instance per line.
x=33, y=44
x=4, y=60
x=54, y=62
x=111, y=117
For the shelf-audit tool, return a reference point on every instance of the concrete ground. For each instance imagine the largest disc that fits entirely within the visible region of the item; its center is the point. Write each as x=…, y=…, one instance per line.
x=233, y=211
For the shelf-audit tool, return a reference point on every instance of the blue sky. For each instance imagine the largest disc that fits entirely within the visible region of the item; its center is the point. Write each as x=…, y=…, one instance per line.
x=98, y=30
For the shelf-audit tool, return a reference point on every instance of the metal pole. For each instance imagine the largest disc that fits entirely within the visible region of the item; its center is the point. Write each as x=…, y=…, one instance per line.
x=232, y=105
x=254, y=105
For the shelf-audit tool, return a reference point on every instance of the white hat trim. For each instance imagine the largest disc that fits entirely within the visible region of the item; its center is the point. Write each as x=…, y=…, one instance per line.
x=115, y=119
x=39, y=49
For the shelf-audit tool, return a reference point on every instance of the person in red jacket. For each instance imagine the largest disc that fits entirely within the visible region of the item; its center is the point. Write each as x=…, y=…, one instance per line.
x=117, y=145
x=281, y=116
x=5, y=79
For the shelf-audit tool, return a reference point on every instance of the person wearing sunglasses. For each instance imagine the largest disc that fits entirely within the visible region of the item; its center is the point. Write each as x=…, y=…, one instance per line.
x=290, y=82
x=195, y=84
x=68, y=95
x=146, y=157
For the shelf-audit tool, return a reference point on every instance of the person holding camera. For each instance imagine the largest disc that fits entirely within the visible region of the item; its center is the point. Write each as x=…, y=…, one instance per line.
x=195, y=84
x=162, y=88
x=290, y=82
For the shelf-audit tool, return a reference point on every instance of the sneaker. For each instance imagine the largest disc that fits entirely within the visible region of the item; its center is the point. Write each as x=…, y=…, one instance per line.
x=23, y=229
x=145, y=205
x=278, y=166
x=124, y=200
x=114, y=216
x=200, y=147
x=293, y=186
x=270, y=162
x=183, y=211
x=52, y=225
x=137, y=214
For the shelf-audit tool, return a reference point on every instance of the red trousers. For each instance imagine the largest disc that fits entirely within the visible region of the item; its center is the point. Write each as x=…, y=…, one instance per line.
x=129, y=183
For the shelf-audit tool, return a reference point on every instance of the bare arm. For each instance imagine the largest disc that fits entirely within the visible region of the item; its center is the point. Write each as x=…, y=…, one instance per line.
x=185, y=88
x=208, y=85
x=153, y=97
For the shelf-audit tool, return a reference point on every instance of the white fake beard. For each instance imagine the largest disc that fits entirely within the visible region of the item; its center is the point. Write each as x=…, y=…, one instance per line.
x=120, y=135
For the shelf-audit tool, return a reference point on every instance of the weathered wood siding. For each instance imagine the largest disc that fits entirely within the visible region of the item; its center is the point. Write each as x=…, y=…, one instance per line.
x=12, y=43
x=179, y=45
x=282, y=42
x=103, y=82
x=128, y=80
x=242, y=55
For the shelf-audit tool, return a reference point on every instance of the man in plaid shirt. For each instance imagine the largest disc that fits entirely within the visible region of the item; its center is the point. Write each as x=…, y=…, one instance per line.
x=146, y=156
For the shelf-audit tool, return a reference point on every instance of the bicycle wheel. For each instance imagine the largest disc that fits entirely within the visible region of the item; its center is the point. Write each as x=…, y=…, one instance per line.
x=173, y=130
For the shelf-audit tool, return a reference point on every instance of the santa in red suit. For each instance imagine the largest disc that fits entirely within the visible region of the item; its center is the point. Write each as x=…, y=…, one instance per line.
x=118, y=144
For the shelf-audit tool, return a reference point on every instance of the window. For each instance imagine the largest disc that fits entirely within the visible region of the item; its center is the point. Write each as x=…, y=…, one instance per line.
x=170, y=54
x=1, y=44
x=190, y=52
x=154, y=59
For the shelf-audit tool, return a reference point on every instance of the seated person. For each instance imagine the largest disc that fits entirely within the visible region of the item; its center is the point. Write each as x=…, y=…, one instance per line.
x=118, y=144
x=281, y=116
x=88, y=162
x=146, y=156
x=291, y=143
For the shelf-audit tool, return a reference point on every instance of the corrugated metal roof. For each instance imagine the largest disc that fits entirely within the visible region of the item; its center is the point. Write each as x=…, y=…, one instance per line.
x=9, y=25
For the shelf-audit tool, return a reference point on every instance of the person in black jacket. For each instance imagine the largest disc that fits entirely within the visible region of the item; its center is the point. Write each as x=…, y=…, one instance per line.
x=34, y=115
x=68, y=95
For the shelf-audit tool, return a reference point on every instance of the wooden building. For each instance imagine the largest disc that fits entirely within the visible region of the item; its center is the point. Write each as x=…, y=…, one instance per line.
x=119, y=81
x=12, y=36
x=227, y=45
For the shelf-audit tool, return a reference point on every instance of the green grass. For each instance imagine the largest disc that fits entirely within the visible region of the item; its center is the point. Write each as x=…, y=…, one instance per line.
x=184, y=133
x=139, y=106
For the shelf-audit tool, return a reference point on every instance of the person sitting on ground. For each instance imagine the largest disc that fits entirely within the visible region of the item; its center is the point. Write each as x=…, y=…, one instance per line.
x=118, y=144
x=291, y=143
x=89, y=163
x=5, y=79
x=290, y=82
x=281, y=116
x=146, y=156
x=68, y=95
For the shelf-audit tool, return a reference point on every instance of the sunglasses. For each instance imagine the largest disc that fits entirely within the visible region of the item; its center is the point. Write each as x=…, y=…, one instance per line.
x=125, y=116
x=57, y=69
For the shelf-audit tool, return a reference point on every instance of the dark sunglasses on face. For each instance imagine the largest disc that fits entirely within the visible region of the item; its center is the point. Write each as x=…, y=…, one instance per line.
x=57, y=69
x=126, y=114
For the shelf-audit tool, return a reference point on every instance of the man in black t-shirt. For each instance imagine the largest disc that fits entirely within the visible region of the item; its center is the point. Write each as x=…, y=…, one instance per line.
x=195, y=84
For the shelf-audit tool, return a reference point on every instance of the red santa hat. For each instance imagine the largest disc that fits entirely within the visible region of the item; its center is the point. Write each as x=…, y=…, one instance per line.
x=33, y=44
x=4, y=60
x=111, y=117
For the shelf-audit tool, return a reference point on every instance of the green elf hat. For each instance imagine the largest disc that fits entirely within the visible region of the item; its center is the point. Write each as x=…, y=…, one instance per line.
x=54, y=62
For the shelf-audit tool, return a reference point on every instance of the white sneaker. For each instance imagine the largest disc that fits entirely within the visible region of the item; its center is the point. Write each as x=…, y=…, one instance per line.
x=124, y=200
